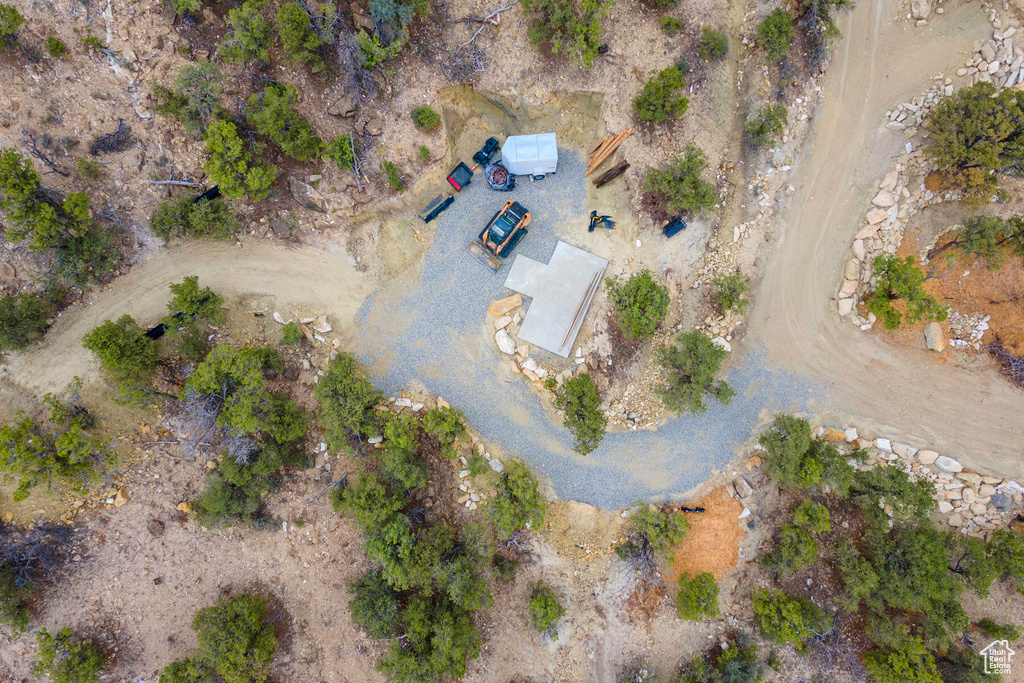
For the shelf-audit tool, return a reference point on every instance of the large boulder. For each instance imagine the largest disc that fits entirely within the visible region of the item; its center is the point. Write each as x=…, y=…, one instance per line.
x=921, y=9
x=307, y=195
x=502, y=306
x=346, y=105
x=935, y=337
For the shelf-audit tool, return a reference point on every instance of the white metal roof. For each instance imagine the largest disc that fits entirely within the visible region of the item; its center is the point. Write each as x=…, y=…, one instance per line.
x=538, y=147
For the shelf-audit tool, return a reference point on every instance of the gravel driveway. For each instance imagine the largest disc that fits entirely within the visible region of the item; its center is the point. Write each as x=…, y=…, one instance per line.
x=437, y=333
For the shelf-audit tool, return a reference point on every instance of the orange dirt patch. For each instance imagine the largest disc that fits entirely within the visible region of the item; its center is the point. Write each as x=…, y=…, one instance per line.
x=712, y=543
x=967, y=286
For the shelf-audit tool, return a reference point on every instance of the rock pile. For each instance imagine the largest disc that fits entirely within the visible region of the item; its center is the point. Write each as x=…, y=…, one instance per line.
x=973, y=503
x=966, y=331
x=471, y=490
x=902, y=192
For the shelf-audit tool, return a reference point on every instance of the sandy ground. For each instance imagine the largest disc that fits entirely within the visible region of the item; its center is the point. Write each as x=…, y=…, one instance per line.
x=974, y=416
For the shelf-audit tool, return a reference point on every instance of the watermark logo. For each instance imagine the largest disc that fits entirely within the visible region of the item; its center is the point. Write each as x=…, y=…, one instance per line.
x=997, y=657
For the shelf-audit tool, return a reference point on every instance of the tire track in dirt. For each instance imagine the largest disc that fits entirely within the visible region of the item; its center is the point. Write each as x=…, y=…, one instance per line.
x=901, y=392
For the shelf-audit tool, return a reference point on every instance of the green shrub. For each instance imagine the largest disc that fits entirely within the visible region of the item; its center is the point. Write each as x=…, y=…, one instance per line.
x=657, y=532
x=187, y=7
x=91, y=41
x=660, y=98
x=373, y=52
x=986, y=238
x=908, y=662
x=729, y=292
x=14, y=596
x=230, y=166
x=579, y=401
x=272, y=112
x=641, y=304
x=670, y=25
x=736, y=663
x=67, y=658
x=193, y=303
x=796, y=460
x=127, y=355
x=37, y=454
x=690, y=367
x=55, y=47
x=859, y=579
x=445, y=424
x=399, y=458
x=300, y=42
x=441, y=638
x=794, y=549
x=347, y=402
x=786, y=618
x=714, y=44
x=89, y=170
x=775, y=34
x=997, y=631
x=341, y=152
x=392, y=175
x=698, y=596
x=504, y=567
x=375, y=607
x=766, y=125
x=291, y=334
x=423, y=152
x=250, y=36
x=371, y=501
x=901, y=280
x=10, y=21
x=234, y=377
x=518, y=504
x=236, y=642
x=812, y=516
x=425, y=118
x=545, y=610
x=195, y=99
x=81, y=249
x=907, y=500
x=186, y=217
x=976, y=135
x=569, y=26
x=26, y=316
x=681, y=183
x=234, y=492
x=1007, y=549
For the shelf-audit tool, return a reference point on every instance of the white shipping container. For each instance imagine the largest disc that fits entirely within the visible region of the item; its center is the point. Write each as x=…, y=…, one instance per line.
x=535, y=155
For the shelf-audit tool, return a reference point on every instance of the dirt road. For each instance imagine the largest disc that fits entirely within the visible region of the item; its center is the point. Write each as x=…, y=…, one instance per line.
x=882, y=60
x=300, y=277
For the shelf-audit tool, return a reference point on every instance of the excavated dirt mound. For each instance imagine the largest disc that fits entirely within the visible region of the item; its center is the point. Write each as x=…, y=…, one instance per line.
x=712, y=543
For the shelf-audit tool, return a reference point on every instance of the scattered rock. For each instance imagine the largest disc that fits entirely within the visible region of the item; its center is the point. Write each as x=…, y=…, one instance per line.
x=833, y=435
x=926, y=457
x=505, y=343
x=502, y=306
x=496, y=465
x=742, y=487
x=502, y=322
x=851, y=434
x=947, y=464
x=306, y=195
x=745, y=513
x=346, y=105
x=884, y=199
x=185, y=507
x=121, y=498
x=7, y=270
x=373, y=440
x=721, y=343
x=403, y=403
x=955, y=520
x=374, y=127
x=920, y=9
x=845, y=306
x=945, y=507
x=883, y=445
x=753, y=462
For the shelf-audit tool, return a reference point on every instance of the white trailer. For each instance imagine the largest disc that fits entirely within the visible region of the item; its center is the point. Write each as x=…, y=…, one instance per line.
x=532, y=155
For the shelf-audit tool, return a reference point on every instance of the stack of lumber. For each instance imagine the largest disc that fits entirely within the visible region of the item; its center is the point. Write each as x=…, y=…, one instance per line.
x=604, y=148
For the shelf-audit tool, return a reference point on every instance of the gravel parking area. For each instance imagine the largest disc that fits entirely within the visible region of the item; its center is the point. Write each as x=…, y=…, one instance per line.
x=436, y=332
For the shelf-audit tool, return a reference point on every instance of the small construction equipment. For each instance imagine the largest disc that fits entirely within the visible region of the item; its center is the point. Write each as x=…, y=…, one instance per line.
x=604, y=148
x=460, y=177
x=532, y=155
x=501, y=235
x=600, y=221
x=483, y=157
x=673, y=227
x=436, y=206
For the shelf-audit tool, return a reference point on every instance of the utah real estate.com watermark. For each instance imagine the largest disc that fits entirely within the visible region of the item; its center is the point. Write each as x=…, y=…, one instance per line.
x=997, y=657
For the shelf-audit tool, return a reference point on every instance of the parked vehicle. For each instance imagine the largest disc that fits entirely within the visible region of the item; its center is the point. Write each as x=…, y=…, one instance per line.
x=532, y=155
x=501, y=235
x=483, y=157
